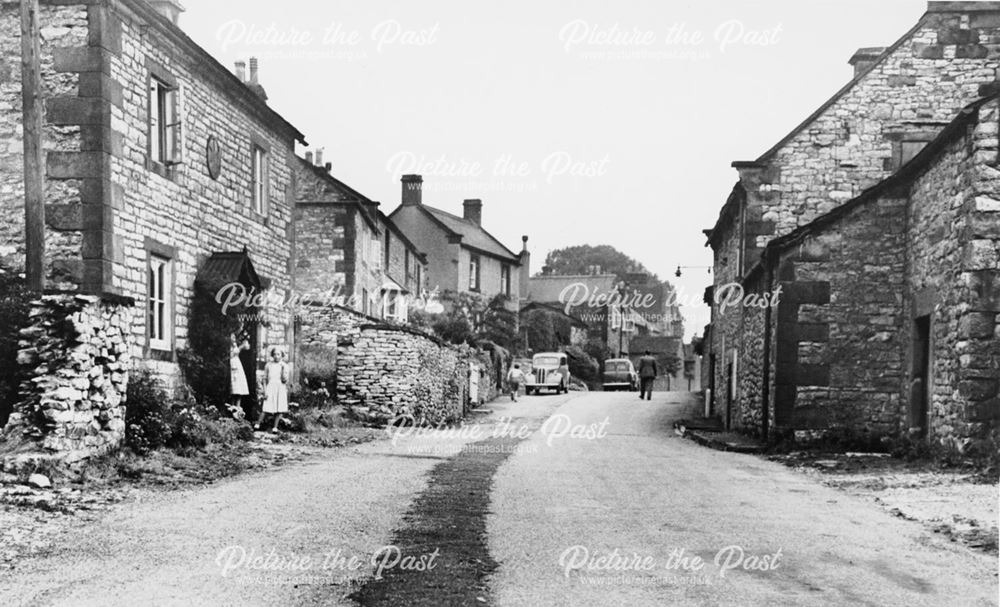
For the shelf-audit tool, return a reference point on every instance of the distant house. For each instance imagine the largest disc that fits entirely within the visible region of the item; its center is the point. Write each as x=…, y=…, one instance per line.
x=462, y=257
x=591, y=298
x=346, y=246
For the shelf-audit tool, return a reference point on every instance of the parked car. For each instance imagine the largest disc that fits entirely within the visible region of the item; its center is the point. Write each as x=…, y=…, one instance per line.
x=549, y=371
x=619, y=374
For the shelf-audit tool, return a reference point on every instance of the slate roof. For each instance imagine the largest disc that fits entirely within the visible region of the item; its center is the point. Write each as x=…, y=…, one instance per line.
x=473, y=235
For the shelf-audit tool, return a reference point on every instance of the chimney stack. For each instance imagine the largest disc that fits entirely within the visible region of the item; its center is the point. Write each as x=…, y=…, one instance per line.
x=328, y=166
x=412, y=188
x=254, y=83
x=253, y=70
x=171, y=9
x=863, y=58
x=309, y=157
x=241, y=70
x=319, y=157
x=473, y=210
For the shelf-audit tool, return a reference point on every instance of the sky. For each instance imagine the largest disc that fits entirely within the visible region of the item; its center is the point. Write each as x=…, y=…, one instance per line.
x=593, y=122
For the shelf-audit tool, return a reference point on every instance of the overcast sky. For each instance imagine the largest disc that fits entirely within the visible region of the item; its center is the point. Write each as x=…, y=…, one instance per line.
x=601, y=122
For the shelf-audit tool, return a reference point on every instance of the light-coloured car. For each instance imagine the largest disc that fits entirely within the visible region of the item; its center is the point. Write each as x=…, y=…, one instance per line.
x=549, y=371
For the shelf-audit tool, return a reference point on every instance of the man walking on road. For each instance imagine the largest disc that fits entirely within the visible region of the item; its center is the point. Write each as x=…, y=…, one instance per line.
x=647, y=374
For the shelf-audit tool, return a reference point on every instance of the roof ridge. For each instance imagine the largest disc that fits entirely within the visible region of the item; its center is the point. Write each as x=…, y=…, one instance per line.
x=471, y=224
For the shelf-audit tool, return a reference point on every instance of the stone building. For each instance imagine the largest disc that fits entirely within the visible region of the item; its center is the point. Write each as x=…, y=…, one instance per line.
x=347, y=247
x=867, y=333
x=159, y=165
x=462, y=257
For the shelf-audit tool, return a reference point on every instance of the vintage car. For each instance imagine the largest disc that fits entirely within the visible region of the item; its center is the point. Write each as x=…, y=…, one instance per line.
x=619, y=374
x=549, y=371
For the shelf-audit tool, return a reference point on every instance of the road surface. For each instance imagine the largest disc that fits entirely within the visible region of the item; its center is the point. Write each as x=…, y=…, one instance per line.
x=579, y=499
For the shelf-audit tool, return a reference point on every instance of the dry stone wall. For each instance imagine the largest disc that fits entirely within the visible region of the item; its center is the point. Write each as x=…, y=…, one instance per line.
x=387, y=371
x=76, y=361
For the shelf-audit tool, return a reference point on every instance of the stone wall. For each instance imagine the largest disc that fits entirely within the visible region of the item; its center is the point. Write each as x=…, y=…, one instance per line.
x=75, y=356
x=954, y=276
x=840, y=332
x=727, y=325
x=385, y=371
x=62, y=27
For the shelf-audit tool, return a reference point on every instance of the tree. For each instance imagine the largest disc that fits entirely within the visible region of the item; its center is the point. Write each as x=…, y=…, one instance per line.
x=499, y=324
x=539, y=331
x=580, y=258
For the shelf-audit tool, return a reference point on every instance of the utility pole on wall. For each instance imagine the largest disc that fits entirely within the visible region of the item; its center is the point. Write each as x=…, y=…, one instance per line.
x=31, y=98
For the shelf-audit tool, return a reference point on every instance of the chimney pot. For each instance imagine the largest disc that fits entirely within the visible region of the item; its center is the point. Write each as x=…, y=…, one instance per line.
x=319, y=157
x=309, y=157
x=328, y=166
x=241, y=71
x=253, y=83
x=412, y=189
x=473, y=208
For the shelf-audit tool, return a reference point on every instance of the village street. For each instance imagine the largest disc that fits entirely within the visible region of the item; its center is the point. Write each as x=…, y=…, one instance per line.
x=585, y=499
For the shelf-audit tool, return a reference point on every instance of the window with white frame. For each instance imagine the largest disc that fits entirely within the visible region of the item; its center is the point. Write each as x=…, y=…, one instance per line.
x=159, y=323
x=164, y=123
x=474, y=272
x=260, y=178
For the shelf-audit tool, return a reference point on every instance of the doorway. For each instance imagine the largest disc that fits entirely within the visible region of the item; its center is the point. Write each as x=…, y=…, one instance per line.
x=920, y=375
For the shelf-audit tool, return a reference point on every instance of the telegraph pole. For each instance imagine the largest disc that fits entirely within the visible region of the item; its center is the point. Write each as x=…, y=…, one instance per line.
x=31, y=97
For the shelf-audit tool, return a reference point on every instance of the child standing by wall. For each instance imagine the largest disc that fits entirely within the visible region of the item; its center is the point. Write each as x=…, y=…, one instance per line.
x=275, y=389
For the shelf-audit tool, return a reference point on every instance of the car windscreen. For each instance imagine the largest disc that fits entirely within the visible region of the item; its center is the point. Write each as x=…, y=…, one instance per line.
x=545, y=361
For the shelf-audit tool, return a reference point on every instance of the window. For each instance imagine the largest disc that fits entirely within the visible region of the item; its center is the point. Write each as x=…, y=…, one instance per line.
x=364, y=301
x=505, y=280
x=474, y=272
x=615, y=320
x=376, y=251
x=420, y=284
x=385, y=254
x=164, y=123
x=260, y=178
x=159, y=303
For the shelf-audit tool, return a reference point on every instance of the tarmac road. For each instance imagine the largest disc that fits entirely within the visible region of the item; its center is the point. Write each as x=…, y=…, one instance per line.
x=579, y=499
x=618, y=519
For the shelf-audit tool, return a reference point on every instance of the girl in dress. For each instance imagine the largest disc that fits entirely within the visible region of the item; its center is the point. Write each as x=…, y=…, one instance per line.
x=237, y=377
x=275, y=389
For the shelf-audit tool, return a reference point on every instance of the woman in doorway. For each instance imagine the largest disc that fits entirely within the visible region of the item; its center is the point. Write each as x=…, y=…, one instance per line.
x=275, y=389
